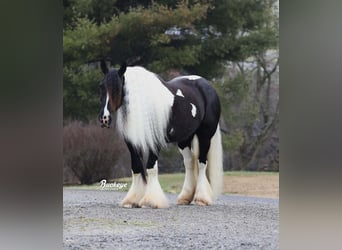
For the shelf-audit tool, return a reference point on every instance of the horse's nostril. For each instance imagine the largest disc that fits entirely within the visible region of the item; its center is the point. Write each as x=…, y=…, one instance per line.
x=105, y=121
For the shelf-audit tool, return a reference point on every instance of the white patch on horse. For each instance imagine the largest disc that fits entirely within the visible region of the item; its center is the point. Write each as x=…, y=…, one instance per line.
x=179, y=93
x=190, y=77
x=105, y=110
x=193, y=110
x=203, y=194
x=145, y=121
x=193, y=77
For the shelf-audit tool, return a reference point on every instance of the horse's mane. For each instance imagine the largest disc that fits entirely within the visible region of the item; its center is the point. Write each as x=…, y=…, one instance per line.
x=145, y=112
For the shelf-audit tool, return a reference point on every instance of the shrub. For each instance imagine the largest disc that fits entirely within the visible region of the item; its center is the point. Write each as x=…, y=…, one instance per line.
x=91, y=153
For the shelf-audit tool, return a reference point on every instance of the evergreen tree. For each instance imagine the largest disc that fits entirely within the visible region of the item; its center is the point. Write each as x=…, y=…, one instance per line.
x=199, y=37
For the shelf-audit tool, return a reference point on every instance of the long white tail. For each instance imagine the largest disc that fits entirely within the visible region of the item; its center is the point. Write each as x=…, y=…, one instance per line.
x=215, y=162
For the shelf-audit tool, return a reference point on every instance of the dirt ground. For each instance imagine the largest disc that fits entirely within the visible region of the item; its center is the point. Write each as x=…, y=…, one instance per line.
x=92, y=219
x=258, y=186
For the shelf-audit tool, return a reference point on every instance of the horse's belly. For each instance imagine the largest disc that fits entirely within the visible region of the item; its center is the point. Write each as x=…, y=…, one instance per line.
x=181, y=132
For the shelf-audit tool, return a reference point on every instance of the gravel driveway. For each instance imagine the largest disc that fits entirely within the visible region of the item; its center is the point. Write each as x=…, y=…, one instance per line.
x=93, y=220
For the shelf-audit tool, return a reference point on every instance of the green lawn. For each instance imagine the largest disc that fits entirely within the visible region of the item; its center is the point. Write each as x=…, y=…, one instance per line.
x=172, y=183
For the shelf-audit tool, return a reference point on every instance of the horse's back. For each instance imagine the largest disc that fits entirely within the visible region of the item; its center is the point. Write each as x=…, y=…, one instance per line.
x=196, y=105
x=198, y=88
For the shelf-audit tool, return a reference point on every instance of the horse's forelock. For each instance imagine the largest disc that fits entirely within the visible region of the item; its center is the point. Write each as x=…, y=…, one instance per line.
x=114, y=89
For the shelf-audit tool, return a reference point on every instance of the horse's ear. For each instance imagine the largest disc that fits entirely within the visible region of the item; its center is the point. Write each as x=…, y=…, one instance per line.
x=104, y=67
x=122, y=69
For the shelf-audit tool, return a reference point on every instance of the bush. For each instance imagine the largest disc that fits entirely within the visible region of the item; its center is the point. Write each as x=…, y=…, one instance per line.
x=91, y=153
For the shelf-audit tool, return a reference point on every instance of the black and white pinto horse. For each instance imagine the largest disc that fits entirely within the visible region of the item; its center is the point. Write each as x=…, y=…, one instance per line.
x=152, y=113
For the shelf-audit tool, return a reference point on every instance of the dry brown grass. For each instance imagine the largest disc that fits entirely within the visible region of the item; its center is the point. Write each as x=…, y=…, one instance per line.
x=257, y=185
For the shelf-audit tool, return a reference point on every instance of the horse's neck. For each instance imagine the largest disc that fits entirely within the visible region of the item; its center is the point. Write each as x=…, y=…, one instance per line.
x=145, y=112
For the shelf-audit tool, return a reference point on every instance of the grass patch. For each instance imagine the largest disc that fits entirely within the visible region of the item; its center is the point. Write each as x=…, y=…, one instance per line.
x=259, y=184
x=170, y=183
x=85, y=187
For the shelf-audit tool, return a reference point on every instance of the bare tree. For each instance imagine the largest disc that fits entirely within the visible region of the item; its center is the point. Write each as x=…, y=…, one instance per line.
x=266, y=98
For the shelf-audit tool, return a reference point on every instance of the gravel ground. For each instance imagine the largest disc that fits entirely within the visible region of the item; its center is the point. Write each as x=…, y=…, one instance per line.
x=93, y=220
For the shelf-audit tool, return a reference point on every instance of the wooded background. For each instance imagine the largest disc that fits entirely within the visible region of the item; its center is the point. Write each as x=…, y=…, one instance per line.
x=232, y=43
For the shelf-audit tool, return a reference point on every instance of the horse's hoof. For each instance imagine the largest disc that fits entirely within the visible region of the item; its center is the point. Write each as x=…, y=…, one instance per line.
x=203, y=202
x=185, y=198
x=129, y=205
x=183, y=201
x=153, y=204
x=126, y=206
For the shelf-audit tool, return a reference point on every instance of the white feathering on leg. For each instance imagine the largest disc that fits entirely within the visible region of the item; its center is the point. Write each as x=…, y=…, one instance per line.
x=135, y=193
x=154, y=196
x=203, y=194
x=187, y=194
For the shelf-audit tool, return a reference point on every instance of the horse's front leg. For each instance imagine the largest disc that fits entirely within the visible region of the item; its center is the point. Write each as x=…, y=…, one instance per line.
x=138, y=186
x=188, y=191
x=203, y=193
x=154, y=196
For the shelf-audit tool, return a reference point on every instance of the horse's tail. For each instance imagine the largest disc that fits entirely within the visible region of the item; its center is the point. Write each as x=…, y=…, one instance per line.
x=215, y=162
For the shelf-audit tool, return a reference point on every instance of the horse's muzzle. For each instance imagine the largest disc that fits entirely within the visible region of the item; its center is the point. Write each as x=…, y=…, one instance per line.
x=105, y=121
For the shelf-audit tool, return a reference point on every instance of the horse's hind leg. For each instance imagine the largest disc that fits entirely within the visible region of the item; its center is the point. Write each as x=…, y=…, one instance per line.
x=138, y=187
x=203, y=194
x=187, y=194
x=154, y=196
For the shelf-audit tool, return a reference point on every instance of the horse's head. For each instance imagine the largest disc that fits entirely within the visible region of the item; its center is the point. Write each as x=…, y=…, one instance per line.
x=111, y=92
